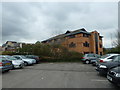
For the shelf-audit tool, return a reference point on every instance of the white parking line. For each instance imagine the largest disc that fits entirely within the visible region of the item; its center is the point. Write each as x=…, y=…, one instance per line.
x=98, y=80
x=16, y=70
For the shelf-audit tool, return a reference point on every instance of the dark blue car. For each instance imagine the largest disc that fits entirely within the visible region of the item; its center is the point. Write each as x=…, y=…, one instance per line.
x=5, y=65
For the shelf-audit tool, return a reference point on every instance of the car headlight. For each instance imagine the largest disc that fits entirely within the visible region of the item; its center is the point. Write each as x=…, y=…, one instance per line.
x=14, y=62
x=117, y=75
x=102, y=66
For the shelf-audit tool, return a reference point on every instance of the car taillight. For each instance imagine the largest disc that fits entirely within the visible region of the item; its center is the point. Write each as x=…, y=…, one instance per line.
x=101, y=61
x=83, y=57
x=0, y=64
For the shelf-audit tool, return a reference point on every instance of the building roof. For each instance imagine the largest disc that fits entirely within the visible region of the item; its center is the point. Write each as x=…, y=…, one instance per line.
x=69, y=33
x=11, y=41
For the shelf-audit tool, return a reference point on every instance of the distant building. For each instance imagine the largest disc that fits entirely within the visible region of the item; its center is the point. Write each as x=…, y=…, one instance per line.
x=12, y=45
x=1, y=49
x=80, y=41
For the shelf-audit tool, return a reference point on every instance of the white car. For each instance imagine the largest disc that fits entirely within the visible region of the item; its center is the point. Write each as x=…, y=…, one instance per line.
x=107, y=58
x=27, y=61
x=15, y=62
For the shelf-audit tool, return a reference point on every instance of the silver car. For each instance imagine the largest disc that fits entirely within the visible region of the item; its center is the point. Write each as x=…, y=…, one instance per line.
x=27, y=61
x=89, y=58
x=17, y=63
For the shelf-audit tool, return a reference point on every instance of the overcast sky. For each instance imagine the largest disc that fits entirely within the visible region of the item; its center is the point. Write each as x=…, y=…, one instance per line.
x=31, y=22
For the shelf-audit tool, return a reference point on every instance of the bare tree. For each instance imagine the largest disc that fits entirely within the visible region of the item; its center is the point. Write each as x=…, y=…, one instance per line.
x=117, y=41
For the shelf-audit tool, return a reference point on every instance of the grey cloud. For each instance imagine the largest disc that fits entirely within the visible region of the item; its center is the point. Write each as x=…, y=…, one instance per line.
x=40, y=21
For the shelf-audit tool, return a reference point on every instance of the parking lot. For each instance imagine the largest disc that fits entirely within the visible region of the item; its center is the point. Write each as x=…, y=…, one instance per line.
x=55, y=75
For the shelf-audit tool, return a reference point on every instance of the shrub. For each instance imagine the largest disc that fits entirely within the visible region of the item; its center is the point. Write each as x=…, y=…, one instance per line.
x=53, y=52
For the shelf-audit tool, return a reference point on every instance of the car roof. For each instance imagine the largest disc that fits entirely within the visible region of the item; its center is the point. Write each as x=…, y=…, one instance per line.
x=113, y=54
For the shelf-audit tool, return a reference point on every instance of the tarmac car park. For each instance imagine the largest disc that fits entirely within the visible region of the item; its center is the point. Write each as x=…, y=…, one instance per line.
x=107, y=67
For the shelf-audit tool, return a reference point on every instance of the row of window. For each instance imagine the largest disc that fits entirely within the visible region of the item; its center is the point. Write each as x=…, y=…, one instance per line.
x=86, y=44
x=73, y=36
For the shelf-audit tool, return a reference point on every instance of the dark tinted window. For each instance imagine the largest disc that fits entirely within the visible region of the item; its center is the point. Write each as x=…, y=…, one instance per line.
x=85, y=35
x=98, y=56
x=17, y=57
x=90, y=55
x=72, y=45
x=72, y=36
x=117, y=59
x=112, y=57
x=86, y=44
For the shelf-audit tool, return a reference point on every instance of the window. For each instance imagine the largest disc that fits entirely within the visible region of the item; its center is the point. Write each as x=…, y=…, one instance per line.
x=86, y=44
x=100, y=45
x=72, y=45
x=90, y=55
x=98, y=56
x=72, y=36
x=100, y=53
x=55, y=40
x=85, y=35
x=86, y=52
x=17, y=57
x=116, y=59
x=112, y=57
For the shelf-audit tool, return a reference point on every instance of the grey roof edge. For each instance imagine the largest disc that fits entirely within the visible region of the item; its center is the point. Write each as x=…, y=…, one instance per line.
x=65, y=35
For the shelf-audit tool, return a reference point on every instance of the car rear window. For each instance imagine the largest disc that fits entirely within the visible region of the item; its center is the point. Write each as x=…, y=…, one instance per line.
x=112, y=57
x=90, y=55
x=117, y=59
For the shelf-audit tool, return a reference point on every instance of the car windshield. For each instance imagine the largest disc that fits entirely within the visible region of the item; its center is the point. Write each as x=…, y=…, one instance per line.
x=117, y=59
x=104, y=56
x=11, y=58
x=0, y=59
x=23, y=57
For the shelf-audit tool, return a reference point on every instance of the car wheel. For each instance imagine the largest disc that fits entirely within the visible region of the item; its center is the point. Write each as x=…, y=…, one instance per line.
x=94, y=64
x=13, y=67
x=22, y=66
x=87, y=62
x=7, y=70
x=25, y=63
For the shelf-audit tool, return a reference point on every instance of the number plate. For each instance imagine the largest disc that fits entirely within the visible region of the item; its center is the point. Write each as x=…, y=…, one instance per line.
x=109, y=78
x=7, y=64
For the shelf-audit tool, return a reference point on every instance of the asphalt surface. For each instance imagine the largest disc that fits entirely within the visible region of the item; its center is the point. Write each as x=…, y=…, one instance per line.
x=55, y=75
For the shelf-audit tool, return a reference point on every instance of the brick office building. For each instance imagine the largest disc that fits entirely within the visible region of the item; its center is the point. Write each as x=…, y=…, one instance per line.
x=80, y=41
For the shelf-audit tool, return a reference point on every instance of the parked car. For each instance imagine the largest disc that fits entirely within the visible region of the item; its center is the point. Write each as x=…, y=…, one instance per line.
x=33, y=57
x=5, y=65
x=113, y=75
x=27, y=61
x=17, y=63
x=103, y=68
x=87, y=58
x=104, y=59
